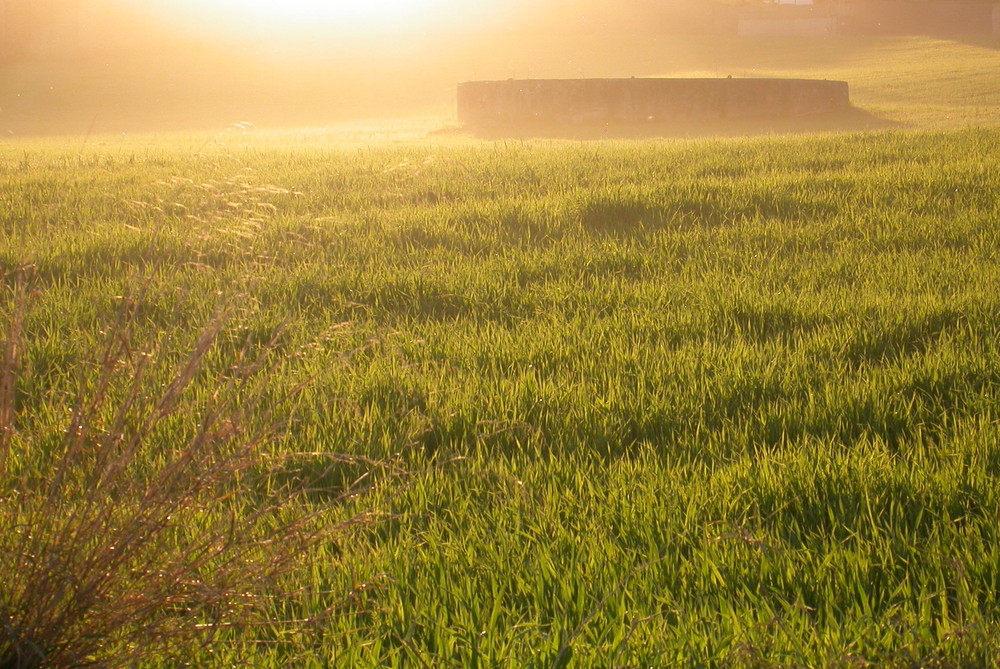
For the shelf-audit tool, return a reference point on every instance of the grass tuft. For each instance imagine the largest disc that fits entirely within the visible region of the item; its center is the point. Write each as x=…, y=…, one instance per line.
x=116, y=550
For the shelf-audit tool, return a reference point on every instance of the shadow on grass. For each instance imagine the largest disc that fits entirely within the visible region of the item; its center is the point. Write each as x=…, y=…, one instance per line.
x=853, y=119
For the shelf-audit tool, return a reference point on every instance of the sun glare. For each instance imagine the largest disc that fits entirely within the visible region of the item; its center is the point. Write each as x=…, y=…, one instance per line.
x=311, y=13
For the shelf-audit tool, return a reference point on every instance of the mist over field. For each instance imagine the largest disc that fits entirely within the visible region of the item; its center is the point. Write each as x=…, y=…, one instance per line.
x=120, y=66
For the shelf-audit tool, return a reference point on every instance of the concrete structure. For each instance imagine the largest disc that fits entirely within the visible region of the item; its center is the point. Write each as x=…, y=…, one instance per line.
x=589, y=101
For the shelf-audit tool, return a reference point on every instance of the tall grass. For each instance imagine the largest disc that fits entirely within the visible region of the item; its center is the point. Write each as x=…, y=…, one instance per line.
x=154, y=525
x=715, y=403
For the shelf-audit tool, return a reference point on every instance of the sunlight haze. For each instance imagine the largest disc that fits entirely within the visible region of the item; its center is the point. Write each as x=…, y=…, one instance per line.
x=499, y=333
x=312, y=14
x=279, y=22
x=124, y=66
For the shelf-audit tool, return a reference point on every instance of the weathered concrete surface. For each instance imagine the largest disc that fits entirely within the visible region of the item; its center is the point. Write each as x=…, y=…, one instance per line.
x=644, y=100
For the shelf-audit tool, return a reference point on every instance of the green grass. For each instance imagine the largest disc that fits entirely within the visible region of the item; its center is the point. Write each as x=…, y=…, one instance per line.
x=703, y=403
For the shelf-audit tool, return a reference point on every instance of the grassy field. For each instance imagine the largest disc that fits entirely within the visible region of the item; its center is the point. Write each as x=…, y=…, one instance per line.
x=709, y=402
x=724, y=402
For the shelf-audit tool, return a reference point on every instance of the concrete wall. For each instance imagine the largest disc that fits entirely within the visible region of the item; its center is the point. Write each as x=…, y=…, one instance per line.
x=583, y=101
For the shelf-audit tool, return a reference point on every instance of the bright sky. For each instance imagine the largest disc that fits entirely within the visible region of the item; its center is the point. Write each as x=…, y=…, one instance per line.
x=311, y=15
x=308, y=11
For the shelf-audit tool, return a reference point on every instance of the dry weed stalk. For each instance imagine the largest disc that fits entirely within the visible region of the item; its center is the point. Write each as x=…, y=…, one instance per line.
x=122, y=547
